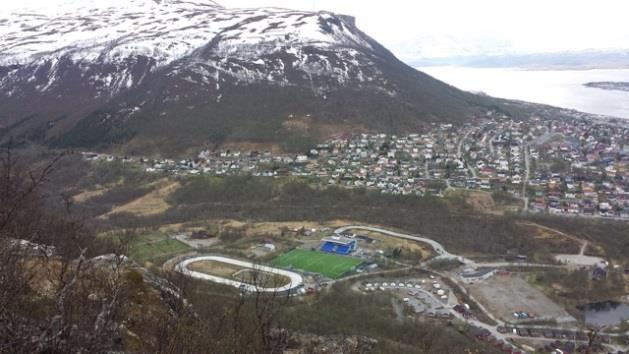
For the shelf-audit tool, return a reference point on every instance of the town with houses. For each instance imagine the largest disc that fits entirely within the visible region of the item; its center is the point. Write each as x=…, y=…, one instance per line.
x=573, y=166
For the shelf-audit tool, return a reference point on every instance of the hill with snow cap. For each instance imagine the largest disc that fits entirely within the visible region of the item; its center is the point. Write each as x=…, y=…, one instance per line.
x=192, y=72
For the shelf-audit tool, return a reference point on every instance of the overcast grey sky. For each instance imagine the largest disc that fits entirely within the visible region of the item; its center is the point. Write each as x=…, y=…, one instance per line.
x=486, y=25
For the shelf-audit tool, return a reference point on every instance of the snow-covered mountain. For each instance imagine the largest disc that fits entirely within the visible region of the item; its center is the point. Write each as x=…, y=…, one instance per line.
x=169, y=30
x=100, y=72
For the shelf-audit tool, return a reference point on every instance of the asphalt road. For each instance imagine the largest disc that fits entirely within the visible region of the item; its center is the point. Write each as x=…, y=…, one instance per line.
x=442, y=253
x=436, y=246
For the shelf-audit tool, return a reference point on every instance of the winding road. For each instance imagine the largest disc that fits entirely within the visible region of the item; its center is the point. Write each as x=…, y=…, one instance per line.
x=459, y=154
x=471, y=169
x=442, y=253
x=436, y=246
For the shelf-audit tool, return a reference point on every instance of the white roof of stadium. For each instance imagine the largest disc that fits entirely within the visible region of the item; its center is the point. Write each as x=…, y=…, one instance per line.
x=342, y=240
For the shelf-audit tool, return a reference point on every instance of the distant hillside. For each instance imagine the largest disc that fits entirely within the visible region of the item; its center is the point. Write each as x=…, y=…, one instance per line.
x=175, y=75
x=575, y=60
x=609, y=85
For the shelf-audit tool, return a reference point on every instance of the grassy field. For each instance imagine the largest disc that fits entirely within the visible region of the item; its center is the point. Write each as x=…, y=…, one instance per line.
x=155, y=248
x=330, y=265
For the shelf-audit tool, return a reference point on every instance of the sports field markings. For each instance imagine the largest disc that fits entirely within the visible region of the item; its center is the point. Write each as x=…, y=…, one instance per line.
x=330, y=265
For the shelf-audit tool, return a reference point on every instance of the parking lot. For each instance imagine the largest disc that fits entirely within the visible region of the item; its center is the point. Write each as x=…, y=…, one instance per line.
x=506, y=295
x=426, y=297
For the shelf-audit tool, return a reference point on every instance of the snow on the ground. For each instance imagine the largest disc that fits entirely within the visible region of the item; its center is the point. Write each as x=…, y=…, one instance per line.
x=165, y=30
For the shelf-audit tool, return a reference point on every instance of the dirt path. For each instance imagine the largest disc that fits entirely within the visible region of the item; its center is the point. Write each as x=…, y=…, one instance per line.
x=584, y=243
x=398, y=309
x=491, y=145
x=583, y=248
x=460, y=145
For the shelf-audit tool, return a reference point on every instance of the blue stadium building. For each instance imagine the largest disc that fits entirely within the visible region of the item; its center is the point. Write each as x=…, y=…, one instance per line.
x=338, y=244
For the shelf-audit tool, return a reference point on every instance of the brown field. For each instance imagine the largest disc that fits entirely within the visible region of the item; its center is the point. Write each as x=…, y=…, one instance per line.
x=152, y=203
x=215, y=268
x=89, y=194
x=246, y=275
x=560, y=242
x=483, y=202
x=480, y=200
x=386, y=241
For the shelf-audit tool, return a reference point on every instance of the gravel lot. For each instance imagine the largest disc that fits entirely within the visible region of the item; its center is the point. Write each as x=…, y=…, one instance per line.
x=503, y=295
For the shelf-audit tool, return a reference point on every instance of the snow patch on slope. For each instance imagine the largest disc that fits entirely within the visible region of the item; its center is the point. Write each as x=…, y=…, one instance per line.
x=166, y=30
x=104, y=42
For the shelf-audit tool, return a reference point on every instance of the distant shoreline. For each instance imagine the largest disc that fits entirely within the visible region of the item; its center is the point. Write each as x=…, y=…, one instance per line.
x=559, y=88
x=609, y=85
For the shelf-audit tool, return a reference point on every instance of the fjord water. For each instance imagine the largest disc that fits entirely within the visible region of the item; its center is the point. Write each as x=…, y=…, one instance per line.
x=561, y=88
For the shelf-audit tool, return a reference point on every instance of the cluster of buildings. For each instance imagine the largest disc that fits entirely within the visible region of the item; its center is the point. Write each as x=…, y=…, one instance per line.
x=583, y=168
x=565, y=166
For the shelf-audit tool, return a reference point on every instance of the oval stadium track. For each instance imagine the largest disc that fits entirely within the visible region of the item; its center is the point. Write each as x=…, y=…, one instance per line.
x=296, y=280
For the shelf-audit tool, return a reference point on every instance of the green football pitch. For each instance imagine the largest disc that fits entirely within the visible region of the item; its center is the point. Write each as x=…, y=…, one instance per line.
x=330, y=265
x=155, y=248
